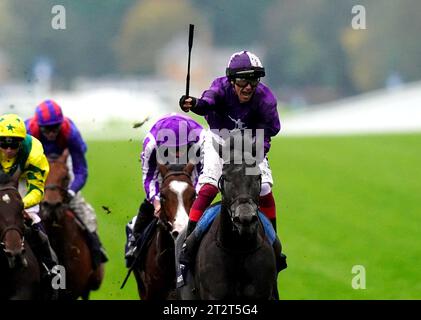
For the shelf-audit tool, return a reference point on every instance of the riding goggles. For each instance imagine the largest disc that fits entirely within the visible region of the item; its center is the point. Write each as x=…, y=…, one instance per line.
x=242, y=83
x=10, y=143
x=51, y=128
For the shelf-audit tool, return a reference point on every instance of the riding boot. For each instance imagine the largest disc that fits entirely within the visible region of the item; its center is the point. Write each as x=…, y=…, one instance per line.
x=41, y=247
x=143, y=219
x=98, y=253
x=190, y=246
x=273, y=221
x=280, y=258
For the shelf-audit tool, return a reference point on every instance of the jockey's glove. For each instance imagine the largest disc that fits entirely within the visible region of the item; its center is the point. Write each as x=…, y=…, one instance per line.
x=71, y=194
x=183, y=101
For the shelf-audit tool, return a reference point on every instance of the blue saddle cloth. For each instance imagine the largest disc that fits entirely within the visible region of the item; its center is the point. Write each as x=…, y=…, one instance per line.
x=210, y=214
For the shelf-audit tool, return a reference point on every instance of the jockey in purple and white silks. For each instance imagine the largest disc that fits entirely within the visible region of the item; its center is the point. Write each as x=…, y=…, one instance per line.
x=57, y=133
x=236, y=101
x=186, y=132
x=178, y=134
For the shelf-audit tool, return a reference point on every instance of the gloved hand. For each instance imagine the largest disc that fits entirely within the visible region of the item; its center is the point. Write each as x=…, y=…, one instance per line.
x=187, y=102
x=71, y=194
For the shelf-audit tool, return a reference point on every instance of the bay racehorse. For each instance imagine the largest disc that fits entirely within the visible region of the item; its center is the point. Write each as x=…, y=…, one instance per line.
x=67, y=234
x=19, y=268
x=235, y=260
x=156, y=277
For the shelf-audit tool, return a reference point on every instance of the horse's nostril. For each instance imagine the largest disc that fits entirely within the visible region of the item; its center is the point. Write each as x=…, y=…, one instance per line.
x=236, y=219
x=253, y=219
x=175, y=234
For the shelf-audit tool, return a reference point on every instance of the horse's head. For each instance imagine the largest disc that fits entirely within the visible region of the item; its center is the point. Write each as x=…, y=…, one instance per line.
x=177, y=196
x=55, y=191
x=240, y=196
x=11, y=223
x=240, y=183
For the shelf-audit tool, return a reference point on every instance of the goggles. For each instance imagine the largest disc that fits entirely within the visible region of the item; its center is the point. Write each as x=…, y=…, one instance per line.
x=242, y=83
x=51, y=128
x=10, y=143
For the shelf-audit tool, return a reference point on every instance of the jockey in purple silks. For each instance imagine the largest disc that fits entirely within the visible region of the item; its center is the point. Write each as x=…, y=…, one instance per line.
x=57, y=133
x=236, y=101
x=178, y=134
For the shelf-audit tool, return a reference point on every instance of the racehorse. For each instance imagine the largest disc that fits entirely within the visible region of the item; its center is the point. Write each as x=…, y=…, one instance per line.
x=19, y=268
x=67, y=234
x=234, y=259
x=156, y=277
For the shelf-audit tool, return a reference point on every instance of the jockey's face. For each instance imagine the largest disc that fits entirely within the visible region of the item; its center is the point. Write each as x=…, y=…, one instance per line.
x=244, y=88
x=10, y=147
x=50, y=132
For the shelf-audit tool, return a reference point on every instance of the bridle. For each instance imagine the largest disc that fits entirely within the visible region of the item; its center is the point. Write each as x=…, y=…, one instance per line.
x=176, y=173
x=55, y=186
x=163, y=221
x=243, y=197
x=13, y=227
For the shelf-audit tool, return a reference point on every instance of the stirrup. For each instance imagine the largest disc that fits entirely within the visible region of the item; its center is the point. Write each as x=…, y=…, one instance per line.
x=181, y=275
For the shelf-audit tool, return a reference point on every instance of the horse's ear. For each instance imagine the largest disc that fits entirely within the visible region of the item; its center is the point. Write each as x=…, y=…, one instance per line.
x=163, y=170
x=189, y=168
x=64, y=156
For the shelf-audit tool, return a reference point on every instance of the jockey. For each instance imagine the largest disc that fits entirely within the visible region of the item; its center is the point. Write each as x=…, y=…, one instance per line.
x=22, y=156
x=236, y=101
x=173, y=132
x=56, y=134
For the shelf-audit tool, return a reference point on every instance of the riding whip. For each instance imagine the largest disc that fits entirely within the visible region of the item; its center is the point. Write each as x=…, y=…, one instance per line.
x=191, y=32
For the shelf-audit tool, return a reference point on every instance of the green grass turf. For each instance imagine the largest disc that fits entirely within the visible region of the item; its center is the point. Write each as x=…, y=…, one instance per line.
x=342, y=201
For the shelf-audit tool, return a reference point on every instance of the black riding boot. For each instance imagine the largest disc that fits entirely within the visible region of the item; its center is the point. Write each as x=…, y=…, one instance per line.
x=190, y=246
x=273, y=221
x=98, y=253
x=281, y=259
x=144, y=217
x=41, y=247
